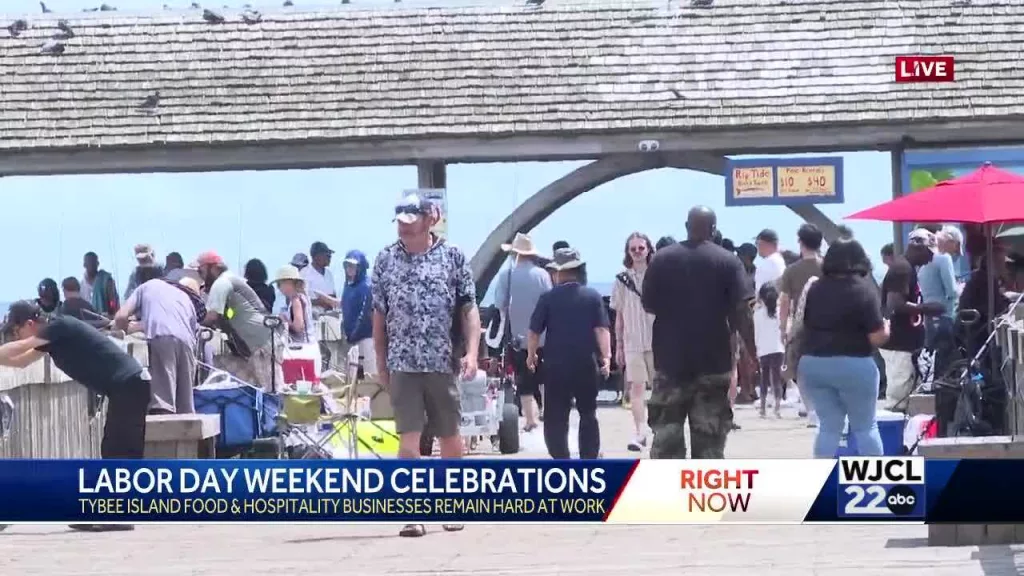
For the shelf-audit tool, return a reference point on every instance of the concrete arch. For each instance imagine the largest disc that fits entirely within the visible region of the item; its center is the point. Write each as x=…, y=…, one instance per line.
x=489, y=258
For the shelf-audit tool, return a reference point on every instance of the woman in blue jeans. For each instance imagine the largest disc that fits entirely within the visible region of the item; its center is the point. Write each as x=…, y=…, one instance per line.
x=843, y=325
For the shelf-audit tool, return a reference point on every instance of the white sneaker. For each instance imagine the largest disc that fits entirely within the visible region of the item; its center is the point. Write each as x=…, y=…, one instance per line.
x=637, y=444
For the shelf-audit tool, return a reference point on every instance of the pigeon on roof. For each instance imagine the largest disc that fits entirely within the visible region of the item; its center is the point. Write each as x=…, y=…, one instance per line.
x=66, y=33
x=52, y=47
x=17, y=27
x=250, y=16
x=288, y=3
x=150, y=104
x=212, y=17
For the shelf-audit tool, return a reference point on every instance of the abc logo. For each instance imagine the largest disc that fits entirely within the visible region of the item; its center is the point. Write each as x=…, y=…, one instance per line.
x=900, y=500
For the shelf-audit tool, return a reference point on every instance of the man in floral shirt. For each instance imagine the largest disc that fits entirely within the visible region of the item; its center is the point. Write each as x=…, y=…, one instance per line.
x=424, y=310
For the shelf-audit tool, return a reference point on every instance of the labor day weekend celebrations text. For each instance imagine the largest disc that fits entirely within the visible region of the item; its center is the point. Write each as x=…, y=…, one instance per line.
x=306, y=491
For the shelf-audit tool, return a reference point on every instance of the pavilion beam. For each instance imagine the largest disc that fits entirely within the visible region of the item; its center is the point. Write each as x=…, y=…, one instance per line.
x=897, y=156
x=432, y=174
x=312, y=154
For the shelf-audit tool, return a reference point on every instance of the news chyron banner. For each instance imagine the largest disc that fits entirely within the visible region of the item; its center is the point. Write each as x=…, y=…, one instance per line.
x=490, y=491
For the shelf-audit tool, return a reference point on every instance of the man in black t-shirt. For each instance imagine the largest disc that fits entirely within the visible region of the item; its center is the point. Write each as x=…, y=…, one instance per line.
x=90, y=358
x=700, y=295
x=901, y=304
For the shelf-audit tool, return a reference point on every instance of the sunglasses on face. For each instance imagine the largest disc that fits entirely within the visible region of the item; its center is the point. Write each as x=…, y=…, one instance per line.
x=638, y=249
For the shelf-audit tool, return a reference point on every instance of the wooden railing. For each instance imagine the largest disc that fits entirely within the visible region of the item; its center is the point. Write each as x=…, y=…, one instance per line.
x=54, y=417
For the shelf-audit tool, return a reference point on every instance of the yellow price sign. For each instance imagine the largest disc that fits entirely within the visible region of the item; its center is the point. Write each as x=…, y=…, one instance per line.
x=803, y=181
x=752, y=182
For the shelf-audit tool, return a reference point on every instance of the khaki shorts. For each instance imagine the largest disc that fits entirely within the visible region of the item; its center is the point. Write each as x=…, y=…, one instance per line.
x=640, y=367
x=419, y=398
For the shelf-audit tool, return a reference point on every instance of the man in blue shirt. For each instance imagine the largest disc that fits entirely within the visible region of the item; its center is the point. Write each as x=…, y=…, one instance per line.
x=578, y=346
x=517, y=293
x=937, y=280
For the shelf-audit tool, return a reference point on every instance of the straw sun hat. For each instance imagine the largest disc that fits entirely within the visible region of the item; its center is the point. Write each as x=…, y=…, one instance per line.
x=522, y=245
x=287, y=272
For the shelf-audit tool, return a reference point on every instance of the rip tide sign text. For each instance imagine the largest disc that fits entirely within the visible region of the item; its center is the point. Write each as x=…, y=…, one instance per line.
x=925, y=69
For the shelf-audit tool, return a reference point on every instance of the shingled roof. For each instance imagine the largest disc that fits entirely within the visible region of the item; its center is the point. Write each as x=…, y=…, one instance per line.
x=499, y=70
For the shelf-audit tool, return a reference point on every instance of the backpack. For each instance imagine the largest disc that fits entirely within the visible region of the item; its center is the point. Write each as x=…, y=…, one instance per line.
x=457, y=337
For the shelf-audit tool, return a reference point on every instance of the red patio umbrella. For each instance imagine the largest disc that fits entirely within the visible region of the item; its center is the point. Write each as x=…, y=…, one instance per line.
x=985, y=196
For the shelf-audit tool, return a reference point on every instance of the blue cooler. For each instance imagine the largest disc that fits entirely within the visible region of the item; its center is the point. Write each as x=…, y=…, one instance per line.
x=890, y=428
x=246, y=413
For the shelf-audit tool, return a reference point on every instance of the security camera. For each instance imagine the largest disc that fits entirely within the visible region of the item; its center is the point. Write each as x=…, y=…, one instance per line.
x=648, y=146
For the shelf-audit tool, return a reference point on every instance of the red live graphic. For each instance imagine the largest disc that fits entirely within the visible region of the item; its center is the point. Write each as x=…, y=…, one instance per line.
x=718, y=489
x=925, y=69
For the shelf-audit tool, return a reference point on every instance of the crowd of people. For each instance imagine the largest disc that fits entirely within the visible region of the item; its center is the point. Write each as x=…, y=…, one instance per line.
x=680, y=325
x=702, y=325
x=695, y=326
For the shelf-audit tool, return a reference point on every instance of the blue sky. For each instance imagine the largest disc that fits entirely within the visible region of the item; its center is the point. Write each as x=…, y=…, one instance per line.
x=272, y=215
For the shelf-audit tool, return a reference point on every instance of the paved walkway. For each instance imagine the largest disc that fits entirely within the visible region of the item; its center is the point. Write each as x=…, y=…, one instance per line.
x=367, y=550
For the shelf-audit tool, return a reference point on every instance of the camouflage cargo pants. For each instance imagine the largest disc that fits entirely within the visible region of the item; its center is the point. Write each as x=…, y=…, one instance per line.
x=704, y=401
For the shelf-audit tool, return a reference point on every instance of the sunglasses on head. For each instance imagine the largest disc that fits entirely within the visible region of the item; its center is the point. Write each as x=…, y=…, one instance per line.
x=409, y=209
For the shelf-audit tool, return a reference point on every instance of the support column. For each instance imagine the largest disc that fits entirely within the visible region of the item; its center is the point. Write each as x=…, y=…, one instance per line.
x=897, y=190
x=432, y=174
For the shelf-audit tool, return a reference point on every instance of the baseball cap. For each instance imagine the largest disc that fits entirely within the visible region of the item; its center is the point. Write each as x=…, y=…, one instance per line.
x=319, y=248
x=411, y=208
x=300, y=260
x=19, y=312
x=209, y=258
x=768, y=235
x=922, y=237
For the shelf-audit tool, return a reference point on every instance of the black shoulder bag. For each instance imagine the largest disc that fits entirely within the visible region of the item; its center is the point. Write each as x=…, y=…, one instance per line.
x=627, y=281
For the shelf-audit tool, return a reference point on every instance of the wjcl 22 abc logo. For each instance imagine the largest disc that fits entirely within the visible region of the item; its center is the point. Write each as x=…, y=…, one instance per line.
x=881, y=487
